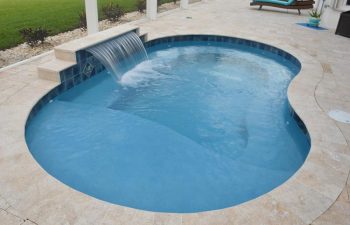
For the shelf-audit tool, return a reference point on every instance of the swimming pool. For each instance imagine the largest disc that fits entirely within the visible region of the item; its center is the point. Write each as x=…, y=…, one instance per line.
x=204, y=124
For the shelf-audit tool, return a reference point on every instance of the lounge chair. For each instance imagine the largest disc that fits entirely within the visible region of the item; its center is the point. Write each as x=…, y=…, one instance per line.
x=285, y=4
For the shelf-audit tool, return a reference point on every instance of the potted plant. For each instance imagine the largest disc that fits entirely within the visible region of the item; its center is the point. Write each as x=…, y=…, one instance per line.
x=315, y=18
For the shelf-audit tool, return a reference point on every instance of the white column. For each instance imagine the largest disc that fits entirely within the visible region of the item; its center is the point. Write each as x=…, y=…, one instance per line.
x=91, y=16
x=184, y=4
x=151, y=9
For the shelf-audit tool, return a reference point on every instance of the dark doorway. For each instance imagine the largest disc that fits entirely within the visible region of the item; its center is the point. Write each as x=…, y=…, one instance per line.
x=343, y=27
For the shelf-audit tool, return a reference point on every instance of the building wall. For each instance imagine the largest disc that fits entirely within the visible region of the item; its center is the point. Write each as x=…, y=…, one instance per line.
x=331, y=12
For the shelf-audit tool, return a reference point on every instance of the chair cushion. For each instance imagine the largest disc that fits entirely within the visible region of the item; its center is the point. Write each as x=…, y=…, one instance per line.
x=279, y=2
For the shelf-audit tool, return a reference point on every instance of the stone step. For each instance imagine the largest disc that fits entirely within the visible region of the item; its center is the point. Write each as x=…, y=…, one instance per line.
x=51, y=70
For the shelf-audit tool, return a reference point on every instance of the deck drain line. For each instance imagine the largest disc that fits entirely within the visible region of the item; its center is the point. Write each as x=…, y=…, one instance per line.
x=340, y=116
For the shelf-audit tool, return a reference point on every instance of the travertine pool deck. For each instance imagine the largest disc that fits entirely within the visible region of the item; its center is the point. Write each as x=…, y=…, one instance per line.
x=317, y=194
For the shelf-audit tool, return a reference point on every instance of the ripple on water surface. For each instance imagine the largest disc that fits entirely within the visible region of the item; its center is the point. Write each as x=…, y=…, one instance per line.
x=195, y=128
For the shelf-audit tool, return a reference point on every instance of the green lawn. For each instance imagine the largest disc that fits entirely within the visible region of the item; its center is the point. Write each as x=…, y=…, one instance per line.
x=55, y=15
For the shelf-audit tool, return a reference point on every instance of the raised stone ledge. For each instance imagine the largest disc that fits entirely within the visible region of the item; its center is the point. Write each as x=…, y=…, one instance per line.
x=66, y=53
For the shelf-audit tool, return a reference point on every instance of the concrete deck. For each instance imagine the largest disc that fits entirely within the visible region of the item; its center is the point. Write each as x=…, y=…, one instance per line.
x=317, y=194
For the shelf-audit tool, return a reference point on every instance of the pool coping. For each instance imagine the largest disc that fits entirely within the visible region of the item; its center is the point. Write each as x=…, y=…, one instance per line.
x=31, y=193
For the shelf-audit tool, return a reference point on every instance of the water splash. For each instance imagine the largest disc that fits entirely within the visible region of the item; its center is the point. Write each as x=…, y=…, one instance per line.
x=120, y=54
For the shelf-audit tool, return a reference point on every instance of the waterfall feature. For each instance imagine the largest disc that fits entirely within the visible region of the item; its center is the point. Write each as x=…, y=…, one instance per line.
x=125, y=51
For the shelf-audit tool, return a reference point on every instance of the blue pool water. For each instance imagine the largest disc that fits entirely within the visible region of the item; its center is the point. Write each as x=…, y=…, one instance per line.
x=196, y=127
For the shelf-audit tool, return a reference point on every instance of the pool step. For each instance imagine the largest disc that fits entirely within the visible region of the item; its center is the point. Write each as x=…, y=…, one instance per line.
x=51, y=70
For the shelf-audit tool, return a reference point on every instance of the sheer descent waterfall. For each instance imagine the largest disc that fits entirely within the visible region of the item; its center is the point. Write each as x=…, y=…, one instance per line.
x=124, y=51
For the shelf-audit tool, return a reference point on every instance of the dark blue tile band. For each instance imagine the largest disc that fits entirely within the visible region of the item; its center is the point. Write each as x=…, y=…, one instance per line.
x=87, y=66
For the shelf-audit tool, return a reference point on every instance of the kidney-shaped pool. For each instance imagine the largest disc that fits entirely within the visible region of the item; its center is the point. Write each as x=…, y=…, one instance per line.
x=201, y=125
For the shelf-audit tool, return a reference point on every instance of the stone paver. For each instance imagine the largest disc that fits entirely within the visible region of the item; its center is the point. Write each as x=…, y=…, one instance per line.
x=7, y=218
